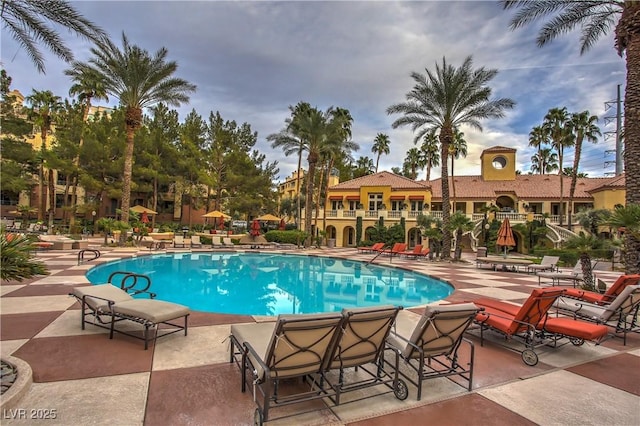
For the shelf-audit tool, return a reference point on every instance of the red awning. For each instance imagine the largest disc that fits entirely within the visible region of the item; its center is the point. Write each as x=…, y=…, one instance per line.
x=353, y=197
x=335, y=197
x=416, y=197
x=397, y=197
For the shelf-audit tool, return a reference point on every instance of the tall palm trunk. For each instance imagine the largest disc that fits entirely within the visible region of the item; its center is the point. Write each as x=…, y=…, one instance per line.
x=629, y=23
x=133, y=121
x=453, y=186
x=446, y=137
x=318, y=195
x=76, y=163
x=574, y=178
x=52, y=200
x=313, y=160
x=326, y=193
x=298, y=182
x=561, y=210
x=42, y=189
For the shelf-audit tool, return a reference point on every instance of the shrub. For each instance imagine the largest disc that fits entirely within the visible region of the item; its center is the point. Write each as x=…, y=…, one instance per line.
x=17, y=260
x=285, y=237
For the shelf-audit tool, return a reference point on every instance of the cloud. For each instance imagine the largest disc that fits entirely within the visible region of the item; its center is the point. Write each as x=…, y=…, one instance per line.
x=251, y=60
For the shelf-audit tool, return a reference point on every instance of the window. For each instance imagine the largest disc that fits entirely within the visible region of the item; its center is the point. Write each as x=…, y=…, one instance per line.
x=499, y=162
x=336, y=205
x=353, y=205
x=375, y=201
x=61, y=179
x=8, y=199
x=417, y=205
x=397, y=205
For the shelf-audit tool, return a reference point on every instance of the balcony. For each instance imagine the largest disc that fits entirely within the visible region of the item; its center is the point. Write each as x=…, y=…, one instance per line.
x=396, y=215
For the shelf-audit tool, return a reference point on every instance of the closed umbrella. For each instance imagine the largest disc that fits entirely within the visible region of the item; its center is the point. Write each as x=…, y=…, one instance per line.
x=255, y=228
x=282, y=224
x=221, y=222
x=505, y=236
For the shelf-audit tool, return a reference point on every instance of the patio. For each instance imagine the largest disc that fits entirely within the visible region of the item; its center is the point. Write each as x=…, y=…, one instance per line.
x=85, y=378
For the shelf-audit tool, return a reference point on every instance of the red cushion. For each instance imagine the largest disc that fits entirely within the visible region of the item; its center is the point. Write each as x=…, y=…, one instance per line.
x=621, y=283
x=574, y=328
x=499, y=320
x=587, y=296
x=498, y=305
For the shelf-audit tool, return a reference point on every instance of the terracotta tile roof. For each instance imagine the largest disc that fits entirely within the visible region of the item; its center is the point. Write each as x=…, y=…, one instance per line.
x=499, y=149
x=538, y=187
x=610, y=183
x=396, y=182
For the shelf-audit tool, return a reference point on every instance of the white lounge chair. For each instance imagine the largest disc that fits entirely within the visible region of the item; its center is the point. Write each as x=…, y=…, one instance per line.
x=195, y=241
x=548, y=263
x=226, y=241
x=621, y=314
x=558, y=277
x=178, y=241
x=105, y=304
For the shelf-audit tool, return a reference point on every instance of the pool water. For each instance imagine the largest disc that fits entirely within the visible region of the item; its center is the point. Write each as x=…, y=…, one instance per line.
x=272, y=284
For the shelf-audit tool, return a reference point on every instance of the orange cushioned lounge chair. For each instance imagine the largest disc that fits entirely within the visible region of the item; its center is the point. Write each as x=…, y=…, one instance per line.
x=531, y=324
x=608, y=296
x=416, y=252
x=371, y=249
x=397, y=249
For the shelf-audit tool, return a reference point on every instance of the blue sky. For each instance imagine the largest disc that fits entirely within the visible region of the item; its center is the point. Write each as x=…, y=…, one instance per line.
x=251, y=60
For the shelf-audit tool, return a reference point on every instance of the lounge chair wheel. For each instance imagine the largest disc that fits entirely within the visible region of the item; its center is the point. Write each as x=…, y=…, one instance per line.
x=529, y=357
x=575, y=341
x=401, y=391
x=257, y=417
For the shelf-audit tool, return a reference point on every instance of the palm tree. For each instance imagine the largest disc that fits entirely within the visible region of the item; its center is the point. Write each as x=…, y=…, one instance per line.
x=430, y=152
x=138, y=80
x=316, y=132
x=443, y=100
x=87, y=85
x=538, y=138
x=544, y=161
x=380, y=146
x=460, y=224
x=290, y=141
x=627, y=218
x=44, y=106
x=556, y=123
x=364, y=166
x=30, y=22
x=18, y=259
x=414, y=161
x=457, y=149
x=341, y=121
x=595, y=19
x=584, y=128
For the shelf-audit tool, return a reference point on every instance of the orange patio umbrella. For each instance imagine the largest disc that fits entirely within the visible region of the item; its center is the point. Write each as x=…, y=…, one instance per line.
x=505, y=236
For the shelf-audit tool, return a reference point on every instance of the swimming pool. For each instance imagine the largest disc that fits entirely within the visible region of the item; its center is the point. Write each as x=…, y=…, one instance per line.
x=272, y=284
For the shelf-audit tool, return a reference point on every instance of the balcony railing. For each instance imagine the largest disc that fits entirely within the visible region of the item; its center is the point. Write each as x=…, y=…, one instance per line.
x=412, y=215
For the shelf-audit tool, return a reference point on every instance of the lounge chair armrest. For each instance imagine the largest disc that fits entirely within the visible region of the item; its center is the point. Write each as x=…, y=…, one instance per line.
x=84, y=300
x=399, y=337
